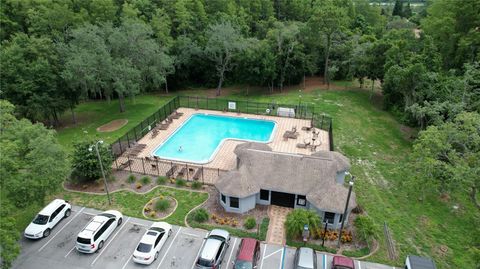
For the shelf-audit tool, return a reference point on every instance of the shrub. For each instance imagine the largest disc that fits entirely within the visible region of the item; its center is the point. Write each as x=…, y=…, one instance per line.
x=131, y=178
x=180, y=182
x=366, y=228
x=162, y=205
x=196, y=185
x=250, y=223
x=153, y=214
x=145, y=180
x=200, y=215
x=161, y=180
x=297, y=219
x=138, y=185
x=85, y=162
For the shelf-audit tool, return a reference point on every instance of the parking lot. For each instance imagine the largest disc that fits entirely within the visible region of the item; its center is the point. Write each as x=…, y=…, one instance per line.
x=180, y=251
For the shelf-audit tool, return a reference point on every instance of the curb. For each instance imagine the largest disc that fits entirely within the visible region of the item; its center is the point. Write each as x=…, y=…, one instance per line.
x=188, y=213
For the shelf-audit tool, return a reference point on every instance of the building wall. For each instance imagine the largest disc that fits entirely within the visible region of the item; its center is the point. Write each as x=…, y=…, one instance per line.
x=336, y=222
x=244, y=204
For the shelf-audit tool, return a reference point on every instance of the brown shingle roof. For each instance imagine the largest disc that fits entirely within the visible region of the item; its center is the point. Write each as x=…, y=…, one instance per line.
x=313, y=176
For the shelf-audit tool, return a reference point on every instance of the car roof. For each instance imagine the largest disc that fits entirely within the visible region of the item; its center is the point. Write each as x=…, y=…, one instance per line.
x=52, y=206
x=210, y=249
x=93, y=226
x=247, y=250
x=305, y=257
x=219, y=232
x=343, y=261
x=418, y=262
x=149, y=237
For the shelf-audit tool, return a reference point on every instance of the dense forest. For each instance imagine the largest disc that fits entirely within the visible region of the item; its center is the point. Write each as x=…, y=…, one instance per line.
x=425, y=55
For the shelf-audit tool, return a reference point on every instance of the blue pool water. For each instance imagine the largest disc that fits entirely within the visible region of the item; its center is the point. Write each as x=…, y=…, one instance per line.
x=201, y=135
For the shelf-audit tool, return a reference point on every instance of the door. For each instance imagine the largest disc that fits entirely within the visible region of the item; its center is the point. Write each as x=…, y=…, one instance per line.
x=282, y=199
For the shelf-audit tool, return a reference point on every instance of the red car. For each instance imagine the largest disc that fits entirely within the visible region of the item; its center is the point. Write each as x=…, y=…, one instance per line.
x=341, y=262
x=248, y=254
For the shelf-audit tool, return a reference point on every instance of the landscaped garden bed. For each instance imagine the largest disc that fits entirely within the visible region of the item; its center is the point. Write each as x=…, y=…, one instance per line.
x=160, y=207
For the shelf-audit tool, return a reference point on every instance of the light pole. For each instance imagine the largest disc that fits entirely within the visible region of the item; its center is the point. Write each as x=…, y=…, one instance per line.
x=101, y=167
x=350, y=183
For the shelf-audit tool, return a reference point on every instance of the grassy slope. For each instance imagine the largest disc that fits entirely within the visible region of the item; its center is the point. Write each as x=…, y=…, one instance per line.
x=372, y=139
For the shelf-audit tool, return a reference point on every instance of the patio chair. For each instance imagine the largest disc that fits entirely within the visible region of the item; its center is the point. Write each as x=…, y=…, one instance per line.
x=197, y=174
x=125, y=164
x=171, y=171
x=154, y=133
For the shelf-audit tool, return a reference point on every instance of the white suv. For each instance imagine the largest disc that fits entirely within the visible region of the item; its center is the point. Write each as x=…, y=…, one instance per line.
x=47, y=218
x=97, y=231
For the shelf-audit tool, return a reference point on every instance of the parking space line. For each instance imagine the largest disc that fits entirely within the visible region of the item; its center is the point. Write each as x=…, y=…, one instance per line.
x=324, y=261
x=168, y=249
x=359, y=265
x=231, y=252
x=69, y=252
x=263, y=256
x=105, y=247
x=196, y=257
x=125, y=265
x=192, y=235
x=283, y=258
x=51, y=238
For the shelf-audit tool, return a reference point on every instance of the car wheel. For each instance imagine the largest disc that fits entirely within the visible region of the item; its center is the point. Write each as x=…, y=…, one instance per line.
x=119, y=222
x=156, y=255
x=46, y=233
x=67, y=213
x=100, y=245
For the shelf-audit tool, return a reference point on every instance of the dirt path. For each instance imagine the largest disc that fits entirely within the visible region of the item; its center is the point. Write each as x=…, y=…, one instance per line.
x=113, y=125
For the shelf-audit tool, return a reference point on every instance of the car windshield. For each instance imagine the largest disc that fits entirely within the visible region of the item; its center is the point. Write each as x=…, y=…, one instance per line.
x=243, y=265
x=204, y=262
x=142, y=247
x=40, y=219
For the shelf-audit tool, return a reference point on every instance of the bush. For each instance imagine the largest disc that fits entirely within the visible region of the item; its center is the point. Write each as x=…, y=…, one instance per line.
x=161, y=180
x=138, y=185
x=200, y=215
x=85, y=162
x=262, y=236
x=131, y=178
x=180, y=182
x=250, y=223
x=366, y=228
x=162, y=205
x=145, y=180
x=196, y=185
x=297, y=219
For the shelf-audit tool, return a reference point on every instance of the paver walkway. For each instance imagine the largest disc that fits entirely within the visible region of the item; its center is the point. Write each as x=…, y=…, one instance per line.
x=276, y=229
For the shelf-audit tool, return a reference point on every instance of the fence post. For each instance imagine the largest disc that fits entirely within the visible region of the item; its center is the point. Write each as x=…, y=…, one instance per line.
x=203, y=180
x=143, y=165
x=120, y=146
x=158, y=171
x=218, y=171
x=186, y=165
x=321, y=124
x=135, y=133
x=207, y=102
x=129, y=164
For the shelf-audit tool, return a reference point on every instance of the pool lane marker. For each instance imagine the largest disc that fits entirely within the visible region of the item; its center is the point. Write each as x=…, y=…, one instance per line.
x=231, y=252
x=110, y=241
x=168, y=249
x=51, y=238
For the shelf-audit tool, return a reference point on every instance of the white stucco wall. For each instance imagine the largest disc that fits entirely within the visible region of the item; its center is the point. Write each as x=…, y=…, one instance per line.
x=244, y=204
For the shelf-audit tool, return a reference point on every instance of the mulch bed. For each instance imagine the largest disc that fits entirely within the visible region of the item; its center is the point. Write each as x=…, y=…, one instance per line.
x=150, y=211
x=113, y=125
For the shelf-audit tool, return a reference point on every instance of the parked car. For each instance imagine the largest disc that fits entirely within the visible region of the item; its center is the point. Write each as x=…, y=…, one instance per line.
x=48, y=218
x=213, y=249
x=341, y=262
x=248, y=254
x=305, y=258
x=97, y=231
x=151, y=243
x=416, y=262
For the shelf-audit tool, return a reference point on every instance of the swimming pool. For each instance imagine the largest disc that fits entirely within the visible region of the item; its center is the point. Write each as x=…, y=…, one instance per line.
x=200, y=137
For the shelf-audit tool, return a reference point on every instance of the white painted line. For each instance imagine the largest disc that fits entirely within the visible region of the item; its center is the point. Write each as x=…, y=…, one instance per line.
x=280, y=266
x=196, y=256
x=69, y=253
x=325, y=261
x=51, y=238
x=171, y=243
x=359, y=265
x=125, y=265
x=263, y=256
x=111, y=240
x=192, y=235
x=231, y=252
x=273, y=253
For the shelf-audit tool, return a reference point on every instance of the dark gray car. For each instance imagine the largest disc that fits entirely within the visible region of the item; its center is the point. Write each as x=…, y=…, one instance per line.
x=305, y=258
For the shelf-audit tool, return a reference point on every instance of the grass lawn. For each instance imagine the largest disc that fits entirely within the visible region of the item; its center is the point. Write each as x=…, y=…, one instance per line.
x=93, y=114
x=131, y=204
x=378, y=148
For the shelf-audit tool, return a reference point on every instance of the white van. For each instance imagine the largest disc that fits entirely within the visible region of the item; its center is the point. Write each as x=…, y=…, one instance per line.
x=48, y=218
x=97, y=231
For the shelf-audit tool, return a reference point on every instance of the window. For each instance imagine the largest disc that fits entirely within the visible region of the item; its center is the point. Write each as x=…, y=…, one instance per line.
x=264, y=195
x=159, y=238
x=224, y=199
x=220, y=250
x=234, y=202
x=329, y=217
x=301, y=200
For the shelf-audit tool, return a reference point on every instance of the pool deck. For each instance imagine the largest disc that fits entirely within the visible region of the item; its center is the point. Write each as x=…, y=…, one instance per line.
x=225, y=158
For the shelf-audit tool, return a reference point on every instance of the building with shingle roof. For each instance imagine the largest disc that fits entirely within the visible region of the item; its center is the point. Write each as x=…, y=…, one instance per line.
x=266, y=177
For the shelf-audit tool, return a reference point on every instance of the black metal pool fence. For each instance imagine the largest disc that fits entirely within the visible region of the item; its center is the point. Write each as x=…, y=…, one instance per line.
x=302, y=111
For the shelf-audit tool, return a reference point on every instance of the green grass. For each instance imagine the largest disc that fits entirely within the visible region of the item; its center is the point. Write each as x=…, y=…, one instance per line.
x=131, y=204
x=93, y=114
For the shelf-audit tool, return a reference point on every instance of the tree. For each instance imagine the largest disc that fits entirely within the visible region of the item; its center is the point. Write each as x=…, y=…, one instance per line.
x=85, y=165
x=327, y=20
x=407, y=11
x=297, y=218
x=224, y=43
x=398, y=8
x=448, y=156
